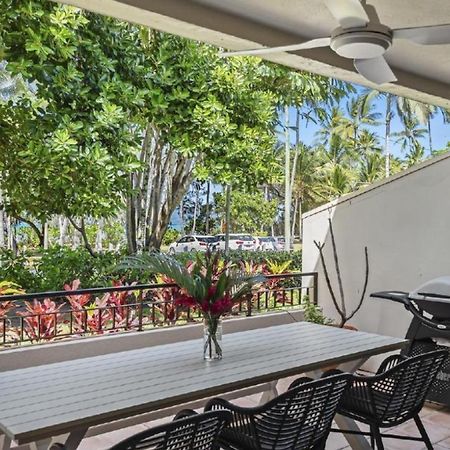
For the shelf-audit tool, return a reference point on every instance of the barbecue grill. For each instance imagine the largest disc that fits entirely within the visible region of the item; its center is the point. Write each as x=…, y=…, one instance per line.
x=430, y=327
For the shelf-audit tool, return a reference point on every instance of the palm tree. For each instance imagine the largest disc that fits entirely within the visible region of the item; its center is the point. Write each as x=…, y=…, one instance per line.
x=330, y=126
x=403, y=107
x=360, y=112
x=306, y=182
x=336, y=180
x=411, y=134
x=415, y=155
x=371, y=168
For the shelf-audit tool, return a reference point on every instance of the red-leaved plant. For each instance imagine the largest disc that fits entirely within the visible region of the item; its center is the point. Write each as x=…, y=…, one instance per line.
x=41, y=319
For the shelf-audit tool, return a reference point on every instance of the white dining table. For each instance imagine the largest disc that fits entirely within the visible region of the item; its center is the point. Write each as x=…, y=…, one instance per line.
x=41, y=402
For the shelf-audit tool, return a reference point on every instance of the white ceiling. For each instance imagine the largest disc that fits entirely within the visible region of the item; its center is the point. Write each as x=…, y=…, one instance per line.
x=423, y=72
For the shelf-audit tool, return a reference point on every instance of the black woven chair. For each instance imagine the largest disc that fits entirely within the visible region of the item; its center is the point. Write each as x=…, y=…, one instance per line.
x=188, y=431
x=299, y=419
x=394, y=395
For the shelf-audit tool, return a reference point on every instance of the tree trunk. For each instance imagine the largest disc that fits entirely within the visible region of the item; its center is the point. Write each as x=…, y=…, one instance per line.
x=296, y=151
x=294, y=219
x=157, y=191
x=9, y=233
x=197, y=199
x=207, y=212
x=227, y=218
x=46, y=237
x=300, y=223
x=387, y=135
x=34, y=227
x=82, y=230
x=99, y=236
x=63, y=225
x=430, y=139
x=287, y=190
x=2, y=222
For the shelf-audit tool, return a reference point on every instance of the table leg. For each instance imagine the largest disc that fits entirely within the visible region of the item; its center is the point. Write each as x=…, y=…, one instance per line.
x=352, y=366
x=269, y=394
x=43, y=444
x=356, y=441
x=74, y=438
x=5, y=443
x=71, y=443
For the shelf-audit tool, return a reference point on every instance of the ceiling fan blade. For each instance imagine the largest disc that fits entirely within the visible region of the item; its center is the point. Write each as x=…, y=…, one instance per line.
x=430, y=35
x=314, y=43
x=376, y=70
x=349, y=13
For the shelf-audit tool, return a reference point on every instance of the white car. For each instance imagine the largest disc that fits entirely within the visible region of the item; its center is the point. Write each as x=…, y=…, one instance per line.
x=237, y=242
x=266, y=244
x=280, y=243
x=191, y=243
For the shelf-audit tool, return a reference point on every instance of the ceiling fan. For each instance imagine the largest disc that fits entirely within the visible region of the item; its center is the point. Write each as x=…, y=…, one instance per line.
x=362, y=39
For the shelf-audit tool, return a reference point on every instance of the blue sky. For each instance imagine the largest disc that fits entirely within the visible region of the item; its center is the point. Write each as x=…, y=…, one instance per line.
x=440, y=132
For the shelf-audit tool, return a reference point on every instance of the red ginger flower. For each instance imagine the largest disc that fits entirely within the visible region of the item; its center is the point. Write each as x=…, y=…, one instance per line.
x=222, y=305
x=186, y=301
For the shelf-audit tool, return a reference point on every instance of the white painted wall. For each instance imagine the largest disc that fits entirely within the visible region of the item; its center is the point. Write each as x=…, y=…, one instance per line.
x=405, y=223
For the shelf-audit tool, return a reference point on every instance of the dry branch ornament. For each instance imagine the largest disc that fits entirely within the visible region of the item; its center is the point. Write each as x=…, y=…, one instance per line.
x=341, y=305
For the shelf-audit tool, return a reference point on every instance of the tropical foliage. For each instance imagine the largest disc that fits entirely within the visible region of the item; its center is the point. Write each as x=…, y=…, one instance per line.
x=109, y=130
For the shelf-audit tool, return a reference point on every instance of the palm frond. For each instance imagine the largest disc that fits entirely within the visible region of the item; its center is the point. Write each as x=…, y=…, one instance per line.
x=158, y=263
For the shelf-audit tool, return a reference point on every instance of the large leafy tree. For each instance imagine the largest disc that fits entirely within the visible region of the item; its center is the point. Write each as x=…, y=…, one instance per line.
x=72, y=153
x=208, y=119
x=250, y=211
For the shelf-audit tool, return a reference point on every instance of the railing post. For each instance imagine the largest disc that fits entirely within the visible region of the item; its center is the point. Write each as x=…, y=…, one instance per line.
x=141, y=311
x=249, y=305
x=315, y=288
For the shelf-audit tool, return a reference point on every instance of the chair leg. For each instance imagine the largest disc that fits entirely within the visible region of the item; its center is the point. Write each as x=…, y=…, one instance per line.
x=372, y=437
x=423, y=432
x=378, y=440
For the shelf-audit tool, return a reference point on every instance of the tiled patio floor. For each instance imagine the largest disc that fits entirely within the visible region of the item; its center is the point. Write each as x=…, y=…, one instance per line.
x=435, y=418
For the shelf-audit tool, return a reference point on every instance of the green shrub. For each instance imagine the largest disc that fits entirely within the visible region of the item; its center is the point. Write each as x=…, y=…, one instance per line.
x=53, y=268
x=18, y=269
x=60, y=265
x=170, y=236
x=313, y=313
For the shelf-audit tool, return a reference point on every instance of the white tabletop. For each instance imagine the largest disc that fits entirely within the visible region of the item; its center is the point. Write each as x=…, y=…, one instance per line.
x=49, y=400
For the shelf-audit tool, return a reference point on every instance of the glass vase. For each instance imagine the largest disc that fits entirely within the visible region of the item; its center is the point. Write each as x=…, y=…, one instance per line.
x=212, y=339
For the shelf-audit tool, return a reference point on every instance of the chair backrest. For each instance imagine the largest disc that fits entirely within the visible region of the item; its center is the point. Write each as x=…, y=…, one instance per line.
x=300, y=418
x=400, y=392
x=197, y=432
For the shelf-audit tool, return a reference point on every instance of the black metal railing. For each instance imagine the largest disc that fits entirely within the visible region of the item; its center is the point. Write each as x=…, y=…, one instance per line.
x=48, y=316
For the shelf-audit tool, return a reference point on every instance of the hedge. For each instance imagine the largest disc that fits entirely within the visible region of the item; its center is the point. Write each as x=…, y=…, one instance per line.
x=57, y=266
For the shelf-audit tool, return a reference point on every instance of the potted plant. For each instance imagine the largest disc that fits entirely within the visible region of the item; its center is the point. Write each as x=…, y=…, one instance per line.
x=209, y=284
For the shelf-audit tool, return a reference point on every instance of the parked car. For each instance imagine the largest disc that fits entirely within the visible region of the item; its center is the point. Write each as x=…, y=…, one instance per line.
x=280, y=243
x=191, y=243
x=237, y=242
x=266, y=244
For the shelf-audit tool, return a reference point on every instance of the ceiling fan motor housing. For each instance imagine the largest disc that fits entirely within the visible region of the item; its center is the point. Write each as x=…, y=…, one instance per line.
x=360, y=43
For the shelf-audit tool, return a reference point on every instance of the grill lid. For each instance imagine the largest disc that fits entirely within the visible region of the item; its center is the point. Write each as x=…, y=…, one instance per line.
x=437, y=290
